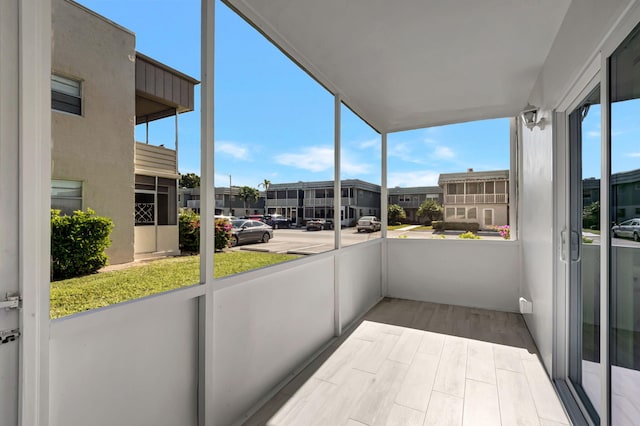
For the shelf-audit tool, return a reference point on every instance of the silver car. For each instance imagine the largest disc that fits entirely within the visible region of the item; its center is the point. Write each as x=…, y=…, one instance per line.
x=629, y=229
x=250, y=231
x=368, y=223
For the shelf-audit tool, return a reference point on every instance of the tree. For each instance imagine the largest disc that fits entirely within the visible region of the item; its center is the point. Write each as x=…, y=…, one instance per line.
x=591, y=216
x=395, y=214
x=190, y=180
x=430, y=209
x=265, y=184
x=247, y=193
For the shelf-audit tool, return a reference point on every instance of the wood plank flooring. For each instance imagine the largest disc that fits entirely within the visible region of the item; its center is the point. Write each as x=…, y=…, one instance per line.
x=417, y=363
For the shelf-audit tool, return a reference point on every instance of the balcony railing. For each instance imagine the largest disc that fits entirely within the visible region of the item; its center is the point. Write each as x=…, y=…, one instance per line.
x=290, y=202
x=155, y=159
x=327, y=202
x=477, y=199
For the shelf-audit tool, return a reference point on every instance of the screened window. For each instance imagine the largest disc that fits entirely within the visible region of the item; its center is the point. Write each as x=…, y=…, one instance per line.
x=472, y=213
x=66, y=95
x=156, y=201
x=66, y=196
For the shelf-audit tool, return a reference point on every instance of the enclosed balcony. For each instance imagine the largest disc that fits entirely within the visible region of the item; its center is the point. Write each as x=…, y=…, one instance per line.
x=540, y=327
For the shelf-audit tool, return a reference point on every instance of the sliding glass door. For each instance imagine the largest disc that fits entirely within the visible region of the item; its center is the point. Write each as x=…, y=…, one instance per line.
x=584, y=239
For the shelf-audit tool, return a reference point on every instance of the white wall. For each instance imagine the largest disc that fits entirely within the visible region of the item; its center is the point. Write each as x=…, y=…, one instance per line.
x=267, y=323
x=129, y=364
x=476, y=273
x=360, y=279
x=536, y=233
x=586, y=24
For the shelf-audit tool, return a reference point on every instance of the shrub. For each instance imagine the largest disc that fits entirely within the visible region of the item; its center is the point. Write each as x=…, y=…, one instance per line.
x=505, y=232
x=455, y=226
x=223, y=234
x=78, y=243
x=586, y=240
x=469, y=236
x=189, y=231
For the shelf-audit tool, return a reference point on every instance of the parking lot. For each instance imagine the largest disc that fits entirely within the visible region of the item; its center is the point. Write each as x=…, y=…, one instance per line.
x=301, y=241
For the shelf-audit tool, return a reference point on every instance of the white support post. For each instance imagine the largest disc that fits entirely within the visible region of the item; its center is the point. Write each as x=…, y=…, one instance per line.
x=206, y=366
x=384, y=216
x=34, y=58
x=337, y=188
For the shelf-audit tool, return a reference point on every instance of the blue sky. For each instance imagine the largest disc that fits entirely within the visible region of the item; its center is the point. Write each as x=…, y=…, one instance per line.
x=272, y=121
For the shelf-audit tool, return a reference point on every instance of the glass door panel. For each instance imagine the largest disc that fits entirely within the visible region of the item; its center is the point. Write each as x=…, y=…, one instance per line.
x=584, y=332
x=625, y=231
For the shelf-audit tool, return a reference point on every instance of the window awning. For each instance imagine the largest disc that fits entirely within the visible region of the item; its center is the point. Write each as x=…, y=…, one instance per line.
x=161, y=91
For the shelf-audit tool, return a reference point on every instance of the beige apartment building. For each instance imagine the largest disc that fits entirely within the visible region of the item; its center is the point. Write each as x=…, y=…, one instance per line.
x=101, y=89
x=481, y=197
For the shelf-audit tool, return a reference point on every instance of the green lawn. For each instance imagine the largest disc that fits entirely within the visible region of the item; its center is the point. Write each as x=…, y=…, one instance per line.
x=592, y=231
x=103, y=289
x=423, y=228
x=392, y=227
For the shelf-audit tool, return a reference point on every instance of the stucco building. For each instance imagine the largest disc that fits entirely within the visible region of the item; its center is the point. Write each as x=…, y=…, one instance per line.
x=481, y=197
x=101, y=88
x=411, y=198
x=300, y=201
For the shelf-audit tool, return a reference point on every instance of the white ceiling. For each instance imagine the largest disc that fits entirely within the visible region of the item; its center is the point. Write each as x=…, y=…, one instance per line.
x=408, y=64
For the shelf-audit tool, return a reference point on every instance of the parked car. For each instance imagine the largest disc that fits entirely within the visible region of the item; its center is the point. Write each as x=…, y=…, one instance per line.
x=629, y=229
x=250, y=231
x=277, y=221
x=319, y=224
x=368, y=223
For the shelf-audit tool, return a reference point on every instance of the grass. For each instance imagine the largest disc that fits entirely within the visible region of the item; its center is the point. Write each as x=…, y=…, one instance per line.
x=104, y=289
x=394, y=227
x=422, y=228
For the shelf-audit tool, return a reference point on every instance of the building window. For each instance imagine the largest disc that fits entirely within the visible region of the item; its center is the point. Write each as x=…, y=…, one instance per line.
x=460, y=213
x=66, y=95
x=488, y=217
x=450, y=212
x=66, y=196
x=472, y=213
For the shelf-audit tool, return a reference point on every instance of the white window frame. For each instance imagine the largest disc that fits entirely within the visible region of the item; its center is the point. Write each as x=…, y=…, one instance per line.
x=70, y=88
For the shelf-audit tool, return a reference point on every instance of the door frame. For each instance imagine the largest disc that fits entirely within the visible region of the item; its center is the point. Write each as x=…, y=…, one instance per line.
x=595, y=71
x=34, y=130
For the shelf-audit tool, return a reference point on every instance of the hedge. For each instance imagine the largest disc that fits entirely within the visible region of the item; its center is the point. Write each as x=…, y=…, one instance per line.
x=78, y=243
x=439, y=225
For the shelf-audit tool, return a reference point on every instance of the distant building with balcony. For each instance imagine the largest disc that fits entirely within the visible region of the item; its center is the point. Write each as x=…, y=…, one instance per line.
x=481, y=197
x=411, y=198
x=300, y=201
x=233, y=205
x=100, y=89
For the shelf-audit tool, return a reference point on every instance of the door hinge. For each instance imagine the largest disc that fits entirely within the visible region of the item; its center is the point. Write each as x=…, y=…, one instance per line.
x=10, y=301
x=7, y=336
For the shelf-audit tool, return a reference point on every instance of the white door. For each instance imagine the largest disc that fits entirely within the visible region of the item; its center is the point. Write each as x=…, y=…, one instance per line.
x=488, y=217
x=9, y=319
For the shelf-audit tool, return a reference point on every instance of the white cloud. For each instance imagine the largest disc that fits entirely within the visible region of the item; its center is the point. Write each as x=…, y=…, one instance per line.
x=313, y=159
x=443, y=153
x=372, y=143
x=593, y=134
x=404, y=151
x=415, y=178
x=634, y=154
x=232, y=149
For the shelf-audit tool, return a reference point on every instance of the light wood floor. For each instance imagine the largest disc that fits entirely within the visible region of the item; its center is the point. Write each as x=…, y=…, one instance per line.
x=416, y=363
